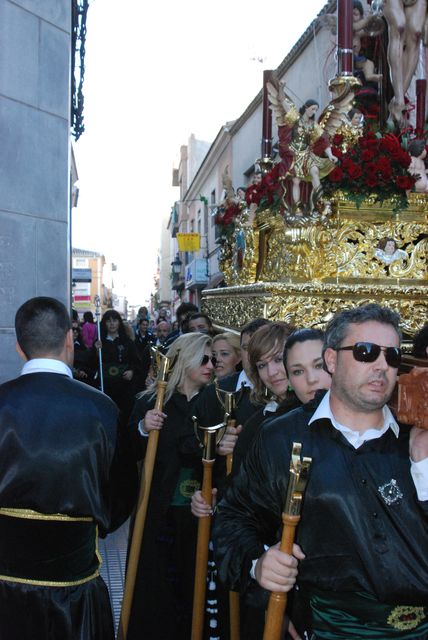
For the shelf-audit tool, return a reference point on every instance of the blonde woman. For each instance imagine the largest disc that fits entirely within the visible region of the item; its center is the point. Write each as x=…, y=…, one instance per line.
x=162, y=606
x=227, y=352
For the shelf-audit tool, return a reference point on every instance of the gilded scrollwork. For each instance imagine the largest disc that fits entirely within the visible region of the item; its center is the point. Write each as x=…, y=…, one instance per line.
x=304, y=273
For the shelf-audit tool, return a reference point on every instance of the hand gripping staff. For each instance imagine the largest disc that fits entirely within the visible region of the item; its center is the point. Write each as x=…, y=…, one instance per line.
x=298, y=477
x=209, y=438
x=163, y=365
x=229, y=400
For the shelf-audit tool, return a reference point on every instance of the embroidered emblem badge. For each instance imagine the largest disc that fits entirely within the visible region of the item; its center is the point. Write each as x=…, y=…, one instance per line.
x=406, y=618
x=390, y=492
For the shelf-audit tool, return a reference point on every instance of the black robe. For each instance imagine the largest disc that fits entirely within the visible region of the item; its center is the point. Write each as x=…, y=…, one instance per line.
x=353, y=540
x=163, y=595
x=59, y=454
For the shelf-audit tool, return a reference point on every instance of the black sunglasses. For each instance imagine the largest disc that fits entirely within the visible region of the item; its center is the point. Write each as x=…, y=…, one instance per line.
x=370, y=352
x=206, y=359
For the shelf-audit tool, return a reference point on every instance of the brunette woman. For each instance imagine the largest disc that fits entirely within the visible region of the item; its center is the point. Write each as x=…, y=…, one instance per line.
x=162, y=604
x=120, y=362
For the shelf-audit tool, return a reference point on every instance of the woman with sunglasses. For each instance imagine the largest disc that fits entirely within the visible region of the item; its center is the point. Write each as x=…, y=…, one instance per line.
x=162, y=604
x=227, y=352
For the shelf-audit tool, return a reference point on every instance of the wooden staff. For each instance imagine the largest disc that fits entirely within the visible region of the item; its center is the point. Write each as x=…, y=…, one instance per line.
x=229, y=402
x=164, y=366
x=211, y=436
x=298, y=477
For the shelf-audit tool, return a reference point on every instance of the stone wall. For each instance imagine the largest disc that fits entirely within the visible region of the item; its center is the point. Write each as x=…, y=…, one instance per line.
x=35, y=47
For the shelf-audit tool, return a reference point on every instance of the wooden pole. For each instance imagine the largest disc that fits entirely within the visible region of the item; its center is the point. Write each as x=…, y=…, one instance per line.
x=278, y=600
x=204, y=527
x=140, y=518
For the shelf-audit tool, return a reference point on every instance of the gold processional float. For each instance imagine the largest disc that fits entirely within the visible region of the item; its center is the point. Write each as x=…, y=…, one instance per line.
x=360, y=236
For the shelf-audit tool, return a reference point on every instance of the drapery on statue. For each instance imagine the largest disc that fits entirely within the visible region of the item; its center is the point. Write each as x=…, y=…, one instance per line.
x=407, y=22
x=304, y=144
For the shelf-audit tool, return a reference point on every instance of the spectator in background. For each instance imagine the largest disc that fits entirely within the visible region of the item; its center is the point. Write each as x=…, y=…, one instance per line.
x=197, y=322
x=89, y=330
x=182, y=310
x=120, y=361
x=81, y=362
x=143, y=337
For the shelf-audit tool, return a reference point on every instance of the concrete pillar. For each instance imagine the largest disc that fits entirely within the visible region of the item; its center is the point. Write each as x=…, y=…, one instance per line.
x=35, y=49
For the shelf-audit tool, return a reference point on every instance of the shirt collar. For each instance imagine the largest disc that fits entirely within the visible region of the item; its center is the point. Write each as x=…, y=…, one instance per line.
x=243, y=380
x=46, y=365
x=324, y=411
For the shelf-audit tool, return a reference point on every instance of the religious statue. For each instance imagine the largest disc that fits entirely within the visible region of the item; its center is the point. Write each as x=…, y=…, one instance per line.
x=418, y=153
x=304, y=143
x=406, y=21
x=388, y=251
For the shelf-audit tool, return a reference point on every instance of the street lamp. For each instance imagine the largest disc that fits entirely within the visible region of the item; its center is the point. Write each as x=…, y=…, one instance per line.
x=176, y=265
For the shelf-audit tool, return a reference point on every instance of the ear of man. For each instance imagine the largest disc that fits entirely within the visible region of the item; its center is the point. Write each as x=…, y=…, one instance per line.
x=330, y=360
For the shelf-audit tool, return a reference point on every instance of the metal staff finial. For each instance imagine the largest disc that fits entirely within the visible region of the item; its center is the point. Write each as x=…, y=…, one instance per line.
x=209, y=437
x=299, y=471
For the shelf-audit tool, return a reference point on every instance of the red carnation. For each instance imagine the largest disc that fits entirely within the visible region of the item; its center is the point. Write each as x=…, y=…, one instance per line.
x=355, y=171
x=336, y=175
x=372, y=181
x=367, y=154
x=404, y=182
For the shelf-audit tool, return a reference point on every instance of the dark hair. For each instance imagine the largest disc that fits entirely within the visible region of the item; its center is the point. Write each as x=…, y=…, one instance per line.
x=112, y=313
x=195, y=316
x=299, y=336
x=264, y=340
x=252, y=326
x=183, y=309
x=307, y=104
x=352, y=112
x=41, y=326
x=337, y=328
x=88, y=317
x=75, y=315
x=356, y=4
x=420, y=342
x=383, y=242
x=416, y=147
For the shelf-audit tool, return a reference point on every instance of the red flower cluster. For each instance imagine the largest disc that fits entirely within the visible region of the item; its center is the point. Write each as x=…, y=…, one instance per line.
x=376, y=165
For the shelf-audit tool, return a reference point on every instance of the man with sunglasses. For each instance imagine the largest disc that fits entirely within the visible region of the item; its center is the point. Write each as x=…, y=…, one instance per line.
x=361, y=562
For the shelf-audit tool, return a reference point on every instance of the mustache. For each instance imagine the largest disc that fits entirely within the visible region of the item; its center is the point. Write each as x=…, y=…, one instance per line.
x=378, y=378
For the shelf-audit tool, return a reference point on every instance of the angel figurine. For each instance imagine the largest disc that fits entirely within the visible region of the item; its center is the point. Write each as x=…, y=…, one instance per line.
x=304, y=145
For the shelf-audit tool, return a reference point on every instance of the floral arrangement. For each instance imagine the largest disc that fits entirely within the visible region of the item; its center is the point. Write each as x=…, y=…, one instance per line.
x=225, y=219
x=376, y=166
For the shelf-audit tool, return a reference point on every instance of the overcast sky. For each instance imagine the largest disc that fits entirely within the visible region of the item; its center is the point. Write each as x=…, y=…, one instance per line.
x=155, y=73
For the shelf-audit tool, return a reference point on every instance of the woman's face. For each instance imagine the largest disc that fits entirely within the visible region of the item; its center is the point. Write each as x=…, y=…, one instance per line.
x=112, y=325
x=305, y=369
x=311, y=111
x=202, y=375
x=226, y=357
x=271, y=371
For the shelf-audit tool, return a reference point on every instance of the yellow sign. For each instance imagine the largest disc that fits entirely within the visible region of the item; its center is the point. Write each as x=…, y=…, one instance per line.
x=188, y=241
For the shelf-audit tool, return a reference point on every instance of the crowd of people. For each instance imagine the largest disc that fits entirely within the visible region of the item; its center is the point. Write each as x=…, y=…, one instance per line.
x=72, y=456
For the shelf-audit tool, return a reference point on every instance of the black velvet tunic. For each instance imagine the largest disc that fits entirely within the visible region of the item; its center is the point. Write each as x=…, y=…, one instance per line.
x=353, y=539
x=59, y=454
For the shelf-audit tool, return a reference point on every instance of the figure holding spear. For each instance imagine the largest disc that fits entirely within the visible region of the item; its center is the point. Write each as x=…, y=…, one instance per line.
x=161, y=603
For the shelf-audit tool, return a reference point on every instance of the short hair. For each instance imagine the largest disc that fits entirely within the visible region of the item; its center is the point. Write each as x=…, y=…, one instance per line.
x=195, y=316
x=187, y=351
x=88, y=317
x=232, y=340
x=184, y=308
x=420, y=342
x=384, y=241
x=252, y=326
x=356, y=4
x=299, y=336
x=263, y=341
x=41, y=326
x=337, y=328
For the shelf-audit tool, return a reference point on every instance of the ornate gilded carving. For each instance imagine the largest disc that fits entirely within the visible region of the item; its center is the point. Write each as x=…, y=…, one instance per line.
x=304, y=270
